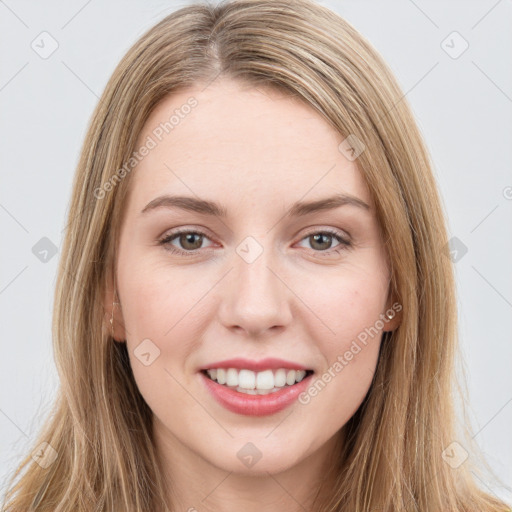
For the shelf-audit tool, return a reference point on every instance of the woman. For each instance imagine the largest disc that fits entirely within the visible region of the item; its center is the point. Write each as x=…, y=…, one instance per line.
x=255, y=307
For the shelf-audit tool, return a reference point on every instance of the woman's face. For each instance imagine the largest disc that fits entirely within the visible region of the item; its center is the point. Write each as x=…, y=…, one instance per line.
x=255, y=275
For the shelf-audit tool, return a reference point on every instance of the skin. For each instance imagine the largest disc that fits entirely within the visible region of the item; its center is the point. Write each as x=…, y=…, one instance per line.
x=257, y=152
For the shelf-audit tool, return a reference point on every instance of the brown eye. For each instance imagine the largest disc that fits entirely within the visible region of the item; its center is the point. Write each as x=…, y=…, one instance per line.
x=321, y=241
x=190, y=241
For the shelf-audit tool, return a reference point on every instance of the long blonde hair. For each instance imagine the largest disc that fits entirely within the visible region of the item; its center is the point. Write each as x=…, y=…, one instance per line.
x=97, y=443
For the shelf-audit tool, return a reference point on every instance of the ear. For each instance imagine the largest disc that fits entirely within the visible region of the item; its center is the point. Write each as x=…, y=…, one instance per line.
x=394, y=309
x=113, y=311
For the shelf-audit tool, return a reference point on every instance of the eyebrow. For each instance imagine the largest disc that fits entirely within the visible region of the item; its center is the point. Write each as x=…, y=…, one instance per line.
x=298, y=209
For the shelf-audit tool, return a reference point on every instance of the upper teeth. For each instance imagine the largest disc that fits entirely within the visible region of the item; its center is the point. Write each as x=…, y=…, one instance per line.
x=247, y=379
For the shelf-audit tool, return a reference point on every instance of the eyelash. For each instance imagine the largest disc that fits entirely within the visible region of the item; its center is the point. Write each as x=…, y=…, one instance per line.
x=344, y=243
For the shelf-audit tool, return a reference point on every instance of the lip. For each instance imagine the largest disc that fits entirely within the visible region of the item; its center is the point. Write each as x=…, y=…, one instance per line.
x=255, y=405
x=271, y=363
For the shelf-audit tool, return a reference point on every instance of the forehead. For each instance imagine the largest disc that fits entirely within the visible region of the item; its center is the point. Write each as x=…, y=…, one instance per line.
x=238, y=141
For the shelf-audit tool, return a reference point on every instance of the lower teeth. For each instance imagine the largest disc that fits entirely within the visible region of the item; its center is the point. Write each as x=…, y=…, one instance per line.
x=257, y=391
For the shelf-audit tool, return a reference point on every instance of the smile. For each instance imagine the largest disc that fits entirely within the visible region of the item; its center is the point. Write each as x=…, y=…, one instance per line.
x=256, y=383
x=253, y=393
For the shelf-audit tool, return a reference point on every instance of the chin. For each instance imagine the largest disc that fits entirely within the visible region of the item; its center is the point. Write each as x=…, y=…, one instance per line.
x=256, y=457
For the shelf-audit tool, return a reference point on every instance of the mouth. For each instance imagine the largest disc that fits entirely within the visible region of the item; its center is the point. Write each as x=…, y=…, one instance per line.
x=252, y=382
x=255, y=387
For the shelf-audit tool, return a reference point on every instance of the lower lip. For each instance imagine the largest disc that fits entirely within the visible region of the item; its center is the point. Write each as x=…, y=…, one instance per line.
x=255, y=405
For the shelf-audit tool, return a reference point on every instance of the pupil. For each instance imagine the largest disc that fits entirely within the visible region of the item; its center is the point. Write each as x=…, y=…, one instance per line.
x=189, y=238
x=320, y=236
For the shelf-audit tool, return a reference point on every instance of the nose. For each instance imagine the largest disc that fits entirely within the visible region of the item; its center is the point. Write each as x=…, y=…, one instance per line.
x=255, y=297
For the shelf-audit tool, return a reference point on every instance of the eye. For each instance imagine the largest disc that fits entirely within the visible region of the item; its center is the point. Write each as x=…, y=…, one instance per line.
x=321, y=241
x=189, y=240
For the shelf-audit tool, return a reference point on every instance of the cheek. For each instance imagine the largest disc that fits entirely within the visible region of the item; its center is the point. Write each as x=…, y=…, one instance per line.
x=160, y=303
x=345, y=304
x=160, y=320
x=350, y=353
x=357, y=310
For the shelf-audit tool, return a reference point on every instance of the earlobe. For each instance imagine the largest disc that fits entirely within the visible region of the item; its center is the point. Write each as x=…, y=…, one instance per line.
x=392, y=322
x=392, y=315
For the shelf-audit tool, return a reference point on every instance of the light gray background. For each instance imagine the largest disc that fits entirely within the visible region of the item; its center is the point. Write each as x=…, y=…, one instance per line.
x=463, y=106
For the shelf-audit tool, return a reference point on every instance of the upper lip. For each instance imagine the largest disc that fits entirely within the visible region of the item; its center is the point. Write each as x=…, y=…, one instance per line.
x=263, y=364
